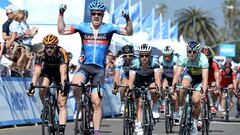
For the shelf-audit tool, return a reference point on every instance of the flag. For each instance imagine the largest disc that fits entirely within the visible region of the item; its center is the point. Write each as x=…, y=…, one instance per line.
x=156, y=28
x=174, y=32
x=165, y=29
x=148, y=24
x=4, y=3
x=117, y=14
x=136, y=16
x=148, y=21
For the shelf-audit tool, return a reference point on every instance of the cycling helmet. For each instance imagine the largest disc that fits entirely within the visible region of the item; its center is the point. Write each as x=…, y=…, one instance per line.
x=207, y=51
x=167, y=50
x=144, y=48
x=193, y=46
x=70, y=55
x=50, y=39
x=227, y=64
x=127, y=49
x=97, y=6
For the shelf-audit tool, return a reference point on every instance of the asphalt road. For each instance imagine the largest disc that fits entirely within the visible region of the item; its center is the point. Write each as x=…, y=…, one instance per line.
x=113, y=126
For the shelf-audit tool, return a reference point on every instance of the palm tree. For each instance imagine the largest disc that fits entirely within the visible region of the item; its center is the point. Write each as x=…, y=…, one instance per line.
x=161, y=9
x=194, y=23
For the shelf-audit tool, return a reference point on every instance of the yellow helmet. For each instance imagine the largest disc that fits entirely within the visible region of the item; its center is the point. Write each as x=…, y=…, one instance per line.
x=50, y=39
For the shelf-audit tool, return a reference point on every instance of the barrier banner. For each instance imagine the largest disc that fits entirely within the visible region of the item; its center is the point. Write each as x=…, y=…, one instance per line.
x=16, y=106
x=111, y=103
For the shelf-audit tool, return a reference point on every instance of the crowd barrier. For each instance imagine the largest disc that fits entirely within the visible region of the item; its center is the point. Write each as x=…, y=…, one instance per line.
x=17, y=108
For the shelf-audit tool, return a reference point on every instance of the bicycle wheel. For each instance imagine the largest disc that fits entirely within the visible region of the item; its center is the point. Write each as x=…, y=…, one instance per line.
x=185, y=121
x=45, y=119
x=167, y=116
x=89, y=130
x=128, y=121
x=205, y=118
x=77, y=120
x=227, y=108
x=147, y=118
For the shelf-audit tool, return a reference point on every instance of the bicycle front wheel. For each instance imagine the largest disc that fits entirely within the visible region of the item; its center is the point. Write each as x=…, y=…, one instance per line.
x=77, y=120
x=128, y=118
x=205, y=118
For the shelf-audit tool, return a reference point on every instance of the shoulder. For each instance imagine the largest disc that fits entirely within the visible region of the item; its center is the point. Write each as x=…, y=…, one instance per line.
x=135, y=64
x=119, y=61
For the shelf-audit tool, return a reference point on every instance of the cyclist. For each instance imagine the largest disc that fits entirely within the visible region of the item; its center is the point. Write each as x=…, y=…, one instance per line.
x=144, y=71
x=227, y=80
x=122, y=67
x=96, y=37
x=168, y=63
x=52, y=66
x=196, y=74
x=213, y=77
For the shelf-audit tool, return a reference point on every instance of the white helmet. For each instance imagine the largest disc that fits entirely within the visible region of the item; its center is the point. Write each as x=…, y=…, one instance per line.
x=167, y=50
x=144, y=48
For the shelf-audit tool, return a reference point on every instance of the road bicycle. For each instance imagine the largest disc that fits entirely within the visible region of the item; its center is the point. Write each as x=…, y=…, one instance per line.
x=169, y=119
x=83, y=123
x=226, y=103
x=186, y=119
x=129, y=114
x=50, y=110
x=205, y=114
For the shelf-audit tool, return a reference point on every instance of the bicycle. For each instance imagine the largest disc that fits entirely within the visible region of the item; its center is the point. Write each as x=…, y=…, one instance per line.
x=205, y=117
x=84, y=125
x=227, y=103
x=237, y=94
x=50, y=110
x=148, y=120
x=169, y=120
x=186, y=119
x=129, y=111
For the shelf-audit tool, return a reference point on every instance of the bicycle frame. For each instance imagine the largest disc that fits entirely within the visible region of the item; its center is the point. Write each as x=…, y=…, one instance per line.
x=85, y=108
x=50, y=108
x=186, y=118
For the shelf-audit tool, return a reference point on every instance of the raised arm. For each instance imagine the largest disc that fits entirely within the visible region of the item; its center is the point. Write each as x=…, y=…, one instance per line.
x=62, y=28
x=128, y=30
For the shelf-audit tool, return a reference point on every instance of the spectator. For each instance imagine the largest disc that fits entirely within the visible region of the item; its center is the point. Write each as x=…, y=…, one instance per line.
x=6, y=31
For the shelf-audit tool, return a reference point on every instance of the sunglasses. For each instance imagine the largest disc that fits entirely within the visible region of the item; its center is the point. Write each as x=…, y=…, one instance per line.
x=190, y=52
x=146, y=56
x=97, y=13
x=127, y=56
x=9, y=13
x=50, y=47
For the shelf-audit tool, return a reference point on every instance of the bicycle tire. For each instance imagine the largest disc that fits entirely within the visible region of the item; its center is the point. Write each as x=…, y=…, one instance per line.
x=77, y=120
x=49, y=116
x=88, y=117
x=128, y=122
x=227, y=108
x=167, y=117
x=205, y=118
x=147, y=118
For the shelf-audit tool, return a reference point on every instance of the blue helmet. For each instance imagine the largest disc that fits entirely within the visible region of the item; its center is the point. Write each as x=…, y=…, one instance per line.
x=193, y=46
x=97, y=6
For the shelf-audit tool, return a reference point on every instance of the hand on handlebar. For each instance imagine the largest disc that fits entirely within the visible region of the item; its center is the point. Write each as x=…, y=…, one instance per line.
x=31, y=90
x=65, y=89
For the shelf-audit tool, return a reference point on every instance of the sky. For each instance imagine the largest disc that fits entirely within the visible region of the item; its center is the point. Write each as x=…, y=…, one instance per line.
x=214, y=7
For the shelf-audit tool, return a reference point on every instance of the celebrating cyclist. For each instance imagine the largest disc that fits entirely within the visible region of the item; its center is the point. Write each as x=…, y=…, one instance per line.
x=52, y=67
x=227, y=80
x=196, y=75
x=213, y=77
x=122, y=67
x=145, y=71
x=96, y=37
x=168, y=63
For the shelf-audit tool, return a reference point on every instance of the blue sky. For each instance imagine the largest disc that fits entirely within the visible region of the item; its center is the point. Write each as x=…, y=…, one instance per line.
x=213, y=6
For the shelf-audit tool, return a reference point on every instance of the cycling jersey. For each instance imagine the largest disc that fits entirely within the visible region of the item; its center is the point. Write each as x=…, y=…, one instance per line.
x=227, y=78
x=122, y=66
x=94, y=48
x=59, y=57
x=194, y=67
x=144, y=77
x=168, y=66
x=213, y=66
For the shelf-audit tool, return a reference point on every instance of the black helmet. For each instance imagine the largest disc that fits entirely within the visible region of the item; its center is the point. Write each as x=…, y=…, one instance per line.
x=127, y=49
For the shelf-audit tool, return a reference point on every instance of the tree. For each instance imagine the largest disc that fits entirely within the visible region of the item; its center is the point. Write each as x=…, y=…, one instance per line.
x=161, y=9
x=194, y=23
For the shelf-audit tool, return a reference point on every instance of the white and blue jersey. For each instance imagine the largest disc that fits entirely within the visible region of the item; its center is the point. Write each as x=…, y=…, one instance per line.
x=94, y=48
x=168, y=67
